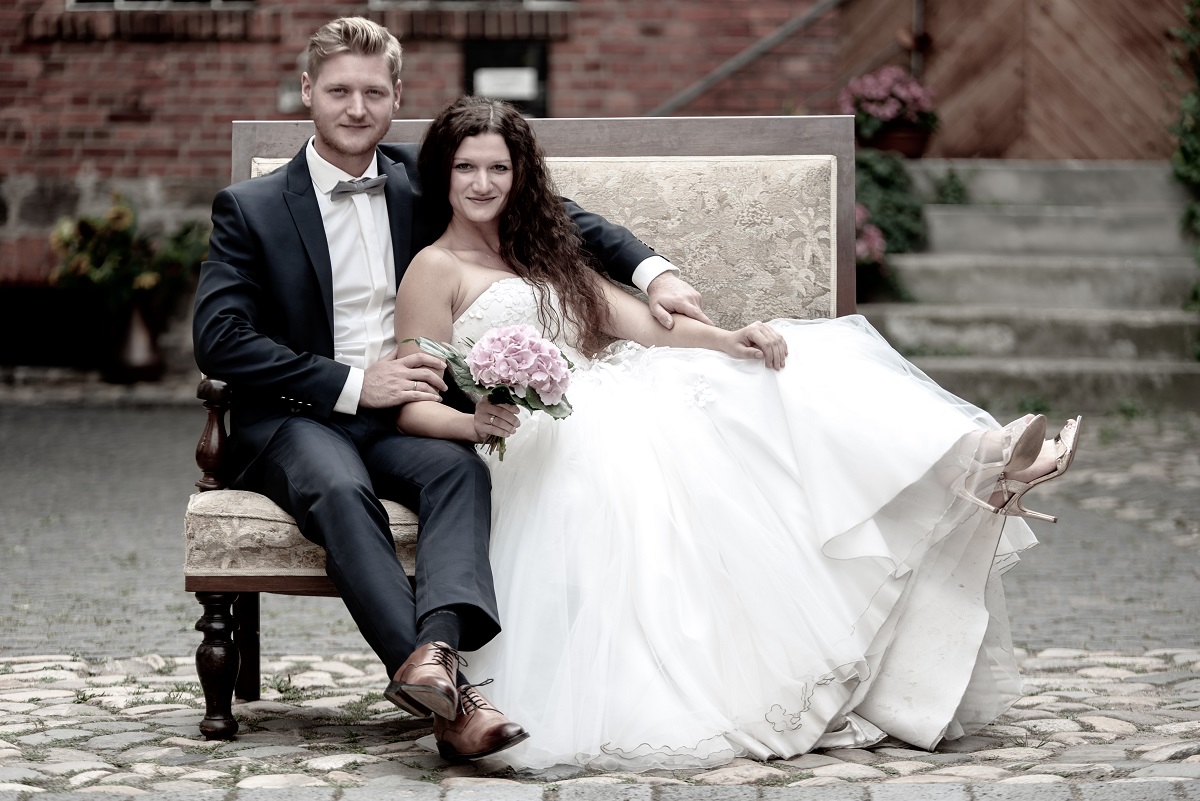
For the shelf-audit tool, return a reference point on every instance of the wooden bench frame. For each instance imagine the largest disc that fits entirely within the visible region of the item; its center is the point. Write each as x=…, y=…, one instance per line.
x=228, y=659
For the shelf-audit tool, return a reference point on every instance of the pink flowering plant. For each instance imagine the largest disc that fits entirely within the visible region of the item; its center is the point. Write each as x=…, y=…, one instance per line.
x=886, y=96
x=509, y=365
x=869, y=245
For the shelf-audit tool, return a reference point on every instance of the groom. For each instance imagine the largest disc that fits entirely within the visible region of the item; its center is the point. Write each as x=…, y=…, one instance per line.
x=295, y=312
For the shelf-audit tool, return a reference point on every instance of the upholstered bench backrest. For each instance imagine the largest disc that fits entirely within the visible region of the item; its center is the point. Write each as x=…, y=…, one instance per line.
x=759, y=212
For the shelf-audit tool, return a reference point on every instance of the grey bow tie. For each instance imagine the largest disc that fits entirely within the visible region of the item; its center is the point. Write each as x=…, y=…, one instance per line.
x=372, y=186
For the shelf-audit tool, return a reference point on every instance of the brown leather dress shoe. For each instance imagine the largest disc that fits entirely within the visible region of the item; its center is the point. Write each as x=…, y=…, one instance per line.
x=479, y=730
x=425, y=684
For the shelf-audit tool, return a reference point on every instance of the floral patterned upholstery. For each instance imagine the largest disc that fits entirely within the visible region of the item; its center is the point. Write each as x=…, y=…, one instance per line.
x=754, y=234
x=237, y=533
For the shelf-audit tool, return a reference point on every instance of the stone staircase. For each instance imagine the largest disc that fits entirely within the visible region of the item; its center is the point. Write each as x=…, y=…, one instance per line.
x=1058, y=287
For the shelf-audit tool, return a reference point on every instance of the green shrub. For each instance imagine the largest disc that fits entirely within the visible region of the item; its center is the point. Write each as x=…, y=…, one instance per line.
x=950, y=190
x=883, y=186
x=1186, y=159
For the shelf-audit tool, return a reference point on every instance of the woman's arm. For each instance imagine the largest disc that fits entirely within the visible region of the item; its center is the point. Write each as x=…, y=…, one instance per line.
x=630, y=318
x=425, y=302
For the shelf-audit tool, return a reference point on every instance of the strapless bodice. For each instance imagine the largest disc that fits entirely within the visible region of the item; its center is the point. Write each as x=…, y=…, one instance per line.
x=509, y=301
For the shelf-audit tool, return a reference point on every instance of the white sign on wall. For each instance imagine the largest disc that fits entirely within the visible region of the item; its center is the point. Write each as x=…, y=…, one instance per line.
x=507, y=83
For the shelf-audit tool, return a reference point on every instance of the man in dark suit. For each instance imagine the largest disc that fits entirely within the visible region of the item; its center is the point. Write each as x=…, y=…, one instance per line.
x=295, y=311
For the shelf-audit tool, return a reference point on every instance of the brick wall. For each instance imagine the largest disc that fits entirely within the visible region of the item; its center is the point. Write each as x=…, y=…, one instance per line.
x=625, y=58
x=141, y=102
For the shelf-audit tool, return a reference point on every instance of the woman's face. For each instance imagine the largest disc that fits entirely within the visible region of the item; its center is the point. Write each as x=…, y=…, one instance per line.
x=481, y=177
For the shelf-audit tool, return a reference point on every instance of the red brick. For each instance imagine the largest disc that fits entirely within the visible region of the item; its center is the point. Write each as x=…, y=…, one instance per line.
x=27, y=260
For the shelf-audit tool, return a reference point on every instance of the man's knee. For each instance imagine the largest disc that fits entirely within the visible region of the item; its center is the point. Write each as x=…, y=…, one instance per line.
x=347, y=493
x=461, y=464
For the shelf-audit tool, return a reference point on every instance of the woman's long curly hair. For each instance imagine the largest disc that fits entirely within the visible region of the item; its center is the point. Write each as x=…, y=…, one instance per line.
x=538, y=241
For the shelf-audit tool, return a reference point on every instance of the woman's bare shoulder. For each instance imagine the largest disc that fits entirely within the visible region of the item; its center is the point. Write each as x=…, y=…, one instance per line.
x=435, y=256
x=434, y=265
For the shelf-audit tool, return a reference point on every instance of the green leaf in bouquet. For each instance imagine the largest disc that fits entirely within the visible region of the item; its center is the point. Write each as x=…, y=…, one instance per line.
x=457, y=363
x=438, y=349
x=558, y=411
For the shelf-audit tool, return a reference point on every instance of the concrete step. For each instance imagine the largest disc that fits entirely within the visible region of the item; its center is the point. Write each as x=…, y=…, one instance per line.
x=1142, y=230
x=917, y=329
x=1057, y=183
x=1068, y=386
x=1047, y=281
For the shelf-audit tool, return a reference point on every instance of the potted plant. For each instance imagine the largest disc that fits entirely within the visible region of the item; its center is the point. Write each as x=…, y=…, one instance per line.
x=138, y=279
x=892, y=111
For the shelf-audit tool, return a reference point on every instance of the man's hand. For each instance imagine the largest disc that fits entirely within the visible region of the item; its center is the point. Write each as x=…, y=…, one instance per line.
x=668, y=293
x=392, y=381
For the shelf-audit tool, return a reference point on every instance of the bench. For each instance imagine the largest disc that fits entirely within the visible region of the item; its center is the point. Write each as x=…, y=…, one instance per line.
x=759, y=213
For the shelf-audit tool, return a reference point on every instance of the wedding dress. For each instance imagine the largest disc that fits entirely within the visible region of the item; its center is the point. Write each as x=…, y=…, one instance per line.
x=711, y=559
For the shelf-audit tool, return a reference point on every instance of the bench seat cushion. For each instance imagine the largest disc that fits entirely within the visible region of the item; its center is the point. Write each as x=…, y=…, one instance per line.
x=237, y=533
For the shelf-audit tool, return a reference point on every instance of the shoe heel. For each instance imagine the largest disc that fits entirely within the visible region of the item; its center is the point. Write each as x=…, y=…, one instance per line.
x=437, y=702
x=395, y=693
x=1020, y=511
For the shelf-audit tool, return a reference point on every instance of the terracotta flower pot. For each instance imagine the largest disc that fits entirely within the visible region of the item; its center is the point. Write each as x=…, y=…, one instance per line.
x=906, y=138
x=136, y=356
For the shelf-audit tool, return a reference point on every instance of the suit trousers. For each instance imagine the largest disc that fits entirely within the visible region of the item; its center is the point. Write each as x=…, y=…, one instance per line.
x=329, y=475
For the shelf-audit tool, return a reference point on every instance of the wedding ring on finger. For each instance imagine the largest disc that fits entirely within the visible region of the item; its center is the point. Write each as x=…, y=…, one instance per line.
x=492, y=420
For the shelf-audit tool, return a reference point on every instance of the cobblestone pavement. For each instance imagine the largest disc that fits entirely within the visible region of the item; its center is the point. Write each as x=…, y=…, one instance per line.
x=129, y=726
x=91, y=506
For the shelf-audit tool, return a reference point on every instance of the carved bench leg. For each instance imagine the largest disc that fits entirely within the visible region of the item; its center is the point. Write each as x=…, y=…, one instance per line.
x=245, y=611
x=217, y=664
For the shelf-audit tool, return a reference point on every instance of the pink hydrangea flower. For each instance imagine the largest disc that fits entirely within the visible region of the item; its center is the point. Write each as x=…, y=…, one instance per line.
x=518, y=357
x=888, y=94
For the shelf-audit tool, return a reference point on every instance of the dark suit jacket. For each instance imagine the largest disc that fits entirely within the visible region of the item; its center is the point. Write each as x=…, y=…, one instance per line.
x=264, y=307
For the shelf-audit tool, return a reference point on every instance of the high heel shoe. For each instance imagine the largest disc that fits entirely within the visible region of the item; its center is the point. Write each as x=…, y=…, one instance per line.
x=1065, y=444
x=1028, y=445
x=1030, y=432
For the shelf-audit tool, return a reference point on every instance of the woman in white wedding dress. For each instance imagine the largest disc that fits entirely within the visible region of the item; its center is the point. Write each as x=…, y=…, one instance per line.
x=746, y=543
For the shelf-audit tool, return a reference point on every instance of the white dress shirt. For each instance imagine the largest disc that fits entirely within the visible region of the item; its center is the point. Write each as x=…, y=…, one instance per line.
x=364, y=273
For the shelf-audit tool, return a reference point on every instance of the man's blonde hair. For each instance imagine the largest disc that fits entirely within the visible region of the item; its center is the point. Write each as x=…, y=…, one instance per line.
x=355, y=35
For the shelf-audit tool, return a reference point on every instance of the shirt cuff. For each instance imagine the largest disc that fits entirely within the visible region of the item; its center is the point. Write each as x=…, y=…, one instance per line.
x=347, y=402
x=651, y=268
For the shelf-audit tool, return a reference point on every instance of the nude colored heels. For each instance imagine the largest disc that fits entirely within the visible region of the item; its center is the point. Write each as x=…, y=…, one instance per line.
x=1065, y=445
x=1029, y=443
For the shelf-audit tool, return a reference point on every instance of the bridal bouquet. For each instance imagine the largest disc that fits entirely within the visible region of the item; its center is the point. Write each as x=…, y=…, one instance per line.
x=510, y=365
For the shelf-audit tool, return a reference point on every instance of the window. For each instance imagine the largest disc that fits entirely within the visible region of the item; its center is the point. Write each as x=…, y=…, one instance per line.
x=512, y=70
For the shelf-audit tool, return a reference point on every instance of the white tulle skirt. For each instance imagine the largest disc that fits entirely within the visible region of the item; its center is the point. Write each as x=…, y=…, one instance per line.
x=710, y=559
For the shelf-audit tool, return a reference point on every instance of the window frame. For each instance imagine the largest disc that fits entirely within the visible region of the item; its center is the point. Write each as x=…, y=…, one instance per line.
x=161, y=5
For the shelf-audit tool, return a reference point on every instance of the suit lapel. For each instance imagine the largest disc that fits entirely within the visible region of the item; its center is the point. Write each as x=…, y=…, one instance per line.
x=306, y=214
x=398, y=192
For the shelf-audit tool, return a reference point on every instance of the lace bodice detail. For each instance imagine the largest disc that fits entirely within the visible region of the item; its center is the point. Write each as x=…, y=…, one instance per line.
x=509, y=301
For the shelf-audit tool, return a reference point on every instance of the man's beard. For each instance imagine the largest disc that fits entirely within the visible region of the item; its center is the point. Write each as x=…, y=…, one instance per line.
x=345, y=146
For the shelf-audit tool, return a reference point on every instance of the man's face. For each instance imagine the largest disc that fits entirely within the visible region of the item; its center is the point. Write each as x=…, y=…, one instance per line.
x=481, y=176
x=352, y=100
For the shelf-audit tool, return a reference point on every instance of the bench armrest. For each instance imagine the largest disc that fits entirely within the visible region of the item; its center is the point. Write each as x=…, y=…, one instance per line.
x=210, y=450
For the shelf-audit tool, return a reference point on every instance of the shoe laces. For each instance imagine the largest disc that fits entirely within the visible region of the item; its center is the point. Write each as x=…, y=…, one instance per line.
x=470, y=699
x=447, y=657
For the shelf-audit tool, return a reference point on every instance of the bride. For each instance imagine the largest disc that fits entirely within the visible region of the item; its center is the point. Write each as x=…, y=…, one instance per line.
x=742, y=543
